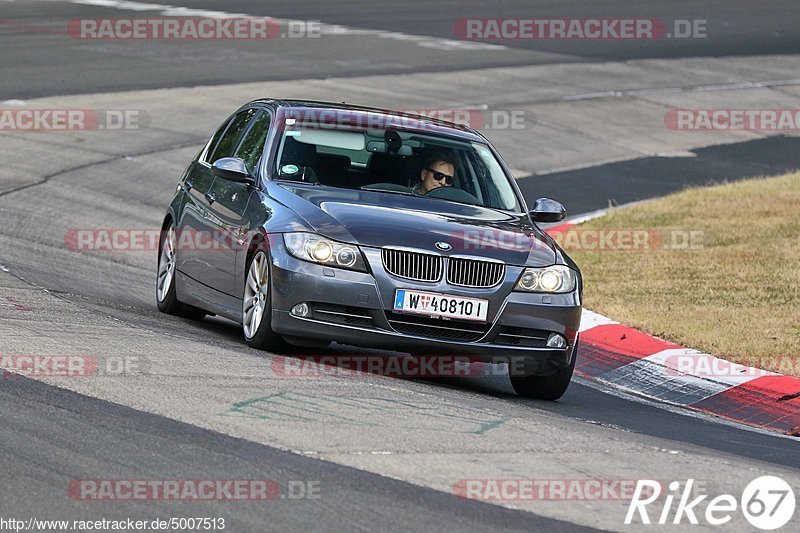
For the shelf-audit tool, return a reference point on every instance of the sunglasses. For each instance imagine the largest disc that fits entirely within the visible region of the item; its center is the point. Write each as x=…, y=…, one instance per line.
x=439, y=176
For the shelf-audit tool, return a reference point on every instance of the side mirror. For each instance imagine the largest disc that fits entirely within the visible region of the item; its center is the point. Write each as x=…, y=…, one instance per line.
x=234, y=169
x=547, y=210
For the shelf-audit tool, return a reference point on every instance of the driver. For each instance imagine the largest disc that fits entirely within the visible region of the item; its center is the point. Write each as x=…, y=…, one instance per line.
x=437, y=171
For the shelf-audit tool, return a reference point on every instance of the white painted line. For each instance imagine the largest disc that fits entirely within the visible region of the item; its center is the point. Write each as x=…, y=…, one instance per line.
x=678, y=153
x=167, y=10
x=518, y=173
x=729, y=86
x=588, y=216
x=667, y=90
x=662, y=90
x=590, y=319
x=590, y=96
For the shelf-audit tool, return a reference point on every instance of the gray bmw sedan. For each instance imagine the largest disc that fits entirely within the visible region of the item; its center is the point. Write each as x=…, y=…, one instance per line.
x=311, y=222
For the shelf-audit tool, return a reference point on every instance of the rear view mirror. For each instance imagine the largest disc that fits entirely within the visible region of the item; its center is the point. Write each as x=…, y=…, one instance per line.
x=382, y=147
x=547, y=210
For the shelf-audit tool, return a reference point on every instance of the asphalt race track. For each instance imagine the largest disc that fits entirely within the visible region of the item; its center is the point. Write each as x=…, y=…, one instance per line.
x=385, y=454
x=34, y=66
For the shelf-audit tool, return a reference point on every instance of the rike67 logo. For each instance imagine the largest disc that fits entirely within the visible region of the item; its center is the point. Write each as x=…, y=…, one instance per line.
x=768, y=503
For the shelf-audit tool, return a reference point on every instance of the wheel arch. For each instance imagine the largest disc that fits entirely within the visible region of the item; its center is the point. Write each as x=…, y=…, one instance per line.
x=257, y=241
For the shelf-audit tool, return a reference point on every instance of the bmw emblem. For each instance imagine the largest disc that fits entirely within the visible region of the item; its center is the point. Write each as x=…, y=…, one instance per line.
x=443, y=246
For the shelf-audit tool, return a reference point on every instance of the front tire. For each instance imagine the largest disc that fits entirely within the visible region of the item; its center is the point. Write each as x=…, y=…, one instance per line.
x=550, y=387
x=257, y=306
x=166, y=297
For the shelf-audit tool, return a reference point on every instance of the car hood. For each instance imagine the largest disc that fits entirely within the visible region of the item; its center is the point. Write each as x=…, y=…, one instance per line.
x=377, y=219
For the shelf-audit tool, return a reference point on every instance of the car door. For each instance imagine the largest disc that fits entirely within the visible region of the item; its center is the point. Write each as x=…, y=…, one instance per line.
x=252, y=151
x=196, y=185
x=225, y=204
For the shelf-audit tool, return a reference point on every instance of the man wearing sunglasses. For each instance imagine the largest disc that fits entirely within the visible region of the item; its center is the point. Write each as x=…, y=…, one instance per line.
x=437, y=171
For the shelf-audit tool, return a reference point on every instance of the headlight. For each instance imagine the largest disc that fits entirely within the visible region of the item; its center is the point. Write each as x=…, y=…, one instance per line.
x=318, y=249
x=552, y=279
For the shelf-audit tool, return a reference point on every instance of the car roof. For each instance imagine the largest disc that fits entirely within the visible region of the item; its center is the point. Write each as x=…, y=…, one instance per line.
x=377, y=115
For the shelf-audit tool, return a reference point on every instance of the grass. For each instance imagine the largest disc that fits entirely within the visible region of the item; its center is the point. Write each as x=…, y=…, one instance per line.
x=737, y=296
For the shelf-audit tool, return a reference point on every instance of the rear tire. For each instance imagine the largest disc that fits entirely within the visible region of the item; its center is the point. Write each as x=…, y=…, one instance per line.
x=257, y=306
x=550, y=387
x=166, y=297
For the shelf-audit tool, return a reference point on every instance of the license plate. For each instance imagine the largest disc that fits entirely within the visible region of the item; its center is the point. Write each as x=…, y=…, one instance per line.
x=440, y=305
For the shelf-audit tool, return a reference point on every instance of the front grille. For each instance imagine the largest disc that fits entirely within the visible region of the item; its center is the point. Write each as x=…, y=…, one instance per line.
x=474, y=272
x=412, y=265
x=340, y=314
x=463, y=272
x=528, y=338
x=456, y=330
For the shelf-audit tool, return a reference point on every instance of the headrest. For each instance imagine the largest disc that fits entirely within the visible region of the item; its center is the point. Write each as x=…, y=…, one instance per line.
x=386, y=165
x=330, y=163
x=297, y=153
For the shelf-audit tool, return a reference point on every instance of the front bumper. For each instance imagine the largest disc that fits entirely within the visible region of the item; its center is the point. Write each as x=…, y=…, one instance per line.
x=364, y=314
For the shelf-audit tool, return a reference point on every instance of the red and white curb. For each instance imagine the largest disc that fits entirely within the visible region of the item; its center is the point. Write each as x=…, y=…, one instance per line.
x=630, y=360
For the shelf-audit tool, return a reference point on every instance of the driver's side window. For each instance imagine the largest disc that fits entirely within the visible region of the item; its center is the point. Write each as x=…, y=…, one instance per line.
x=252, y=146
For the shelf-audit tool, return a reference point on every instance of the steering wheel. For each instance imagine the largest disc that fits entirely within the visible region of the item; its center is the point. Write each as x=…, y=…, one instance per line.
x=453, y=193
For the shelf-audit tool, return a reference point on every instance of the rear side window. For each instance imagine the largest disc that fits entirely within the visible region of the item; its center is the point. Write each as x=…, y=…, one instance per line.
x=215, y=139
x=227, y=144
x=253, y=143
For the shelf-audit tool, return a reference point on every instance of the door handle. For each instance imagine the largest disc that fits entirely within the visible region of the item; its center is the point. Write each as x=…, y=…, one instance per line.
x=210, y=197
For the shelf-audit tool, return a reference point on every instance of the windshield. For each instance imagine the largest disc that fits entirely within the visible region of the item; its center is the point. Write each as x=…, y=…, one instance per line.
x=395, y=161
